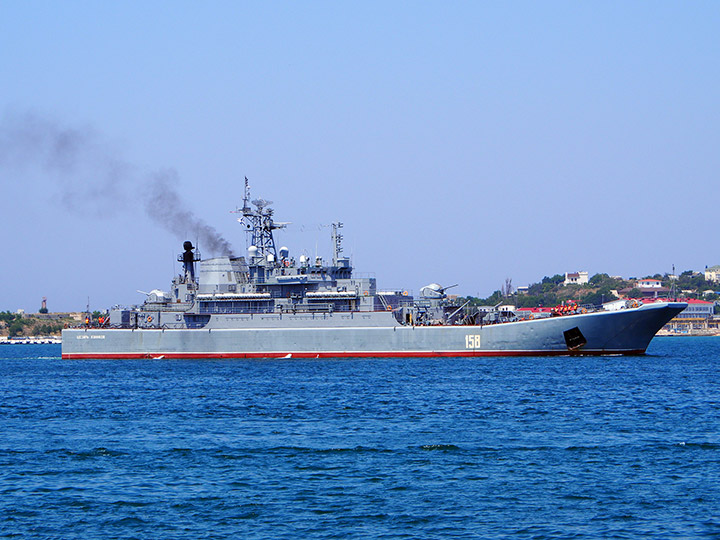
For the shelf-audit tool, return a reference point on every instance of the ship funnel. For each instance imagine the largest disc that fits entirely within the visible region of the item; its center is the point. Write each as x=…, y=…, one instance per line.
x=188, y=259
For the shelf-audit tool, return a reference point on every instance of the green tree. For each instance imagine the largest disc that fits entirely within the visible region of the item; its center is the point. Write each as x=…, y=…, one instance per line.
x=634, y=293
x=16, y=327
x=596, y=298
x=46, y=329
x=557, y=279
x=493, y=299
x=598, y=279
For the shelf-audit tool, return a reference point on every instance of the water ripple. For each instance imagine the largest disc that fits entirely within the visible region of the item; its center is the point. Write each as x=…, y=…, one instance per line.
x=621, y=447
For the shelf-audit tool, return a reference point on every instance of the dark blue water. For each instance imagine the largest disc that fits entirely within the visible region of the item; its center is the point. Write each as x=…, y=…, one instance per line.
x=618, y=447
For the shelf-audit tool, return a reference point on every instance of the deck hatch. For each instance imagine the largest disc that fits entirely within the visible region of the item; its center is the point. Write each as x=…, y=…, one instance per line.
x=574, y=338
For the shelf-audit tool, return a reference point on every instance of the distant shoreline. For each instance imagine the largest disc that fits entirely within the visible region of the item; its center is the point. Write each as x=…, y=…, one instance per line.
x=36, y=340
x=665, y=333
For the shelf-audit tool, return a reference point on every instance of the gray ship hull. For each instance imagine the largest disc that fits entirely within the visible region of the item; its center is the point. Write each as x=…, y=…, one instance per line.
x=627, y=331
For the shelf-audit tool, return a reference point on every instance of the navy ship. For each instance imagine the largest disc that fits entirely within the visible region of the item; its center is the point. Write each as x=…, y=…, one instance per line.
x=271, y=305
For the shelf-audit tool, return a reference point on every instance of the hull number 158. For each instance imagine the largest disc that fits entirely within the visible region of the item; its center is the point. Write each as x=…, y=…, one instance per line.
x=472, y=341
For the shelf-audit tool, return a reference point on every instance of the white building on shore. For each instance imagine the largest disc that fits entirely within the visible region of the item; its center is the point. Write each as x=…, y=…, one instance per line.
x=713, y=273
x=576, y=278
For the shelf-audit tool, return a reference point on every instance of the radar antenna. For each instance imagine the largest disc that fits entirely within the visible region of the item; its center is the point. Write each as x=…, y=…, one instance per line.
x=259, y=224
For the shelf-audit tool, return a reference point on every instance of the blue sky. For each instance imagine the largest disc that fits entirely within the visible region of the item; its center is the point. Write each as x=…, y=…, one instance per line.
x=461, y=142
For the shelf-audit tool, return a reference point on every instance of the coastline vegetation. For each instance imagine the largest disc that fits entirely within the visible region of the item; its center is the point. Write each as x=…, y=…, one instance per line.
x=551, y=291
x=19, y=324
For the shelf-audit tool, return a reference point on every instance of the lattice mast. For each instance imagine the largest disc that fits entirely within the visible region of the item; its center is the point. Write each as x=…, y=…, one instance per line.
x=259, y=224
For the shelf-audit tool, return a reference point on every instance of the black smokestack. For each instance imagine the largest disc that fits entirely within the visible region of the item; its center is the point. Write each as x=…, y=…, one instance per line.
x=94, y=181
x=188, y=259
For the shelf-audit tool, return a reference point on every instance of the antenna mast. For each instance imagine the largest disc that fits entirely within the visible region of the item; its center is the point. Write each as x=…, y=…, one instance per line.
x=259, y=223
x=246, y=196
x=337, y=242
x=673, y=290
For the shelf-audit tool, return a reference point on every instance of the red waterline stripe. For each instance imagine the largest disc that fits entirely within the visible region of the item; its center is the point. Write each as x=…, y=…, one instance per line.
x=346, y=354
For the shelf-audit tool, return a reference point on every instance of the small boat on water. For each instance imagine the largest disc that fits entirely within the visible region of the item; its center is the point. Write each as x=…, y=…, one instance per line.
x=269, y=304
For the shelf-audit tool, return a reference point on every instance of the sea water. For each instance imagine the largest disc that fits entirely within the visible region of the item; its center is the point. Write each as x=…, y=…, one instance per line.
x=612, y=447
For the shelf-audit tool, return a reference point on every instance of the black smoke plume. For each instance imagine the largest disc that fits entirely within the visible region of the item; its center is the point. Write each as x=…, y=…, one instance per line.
x=165, y=207
x=94, y=181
